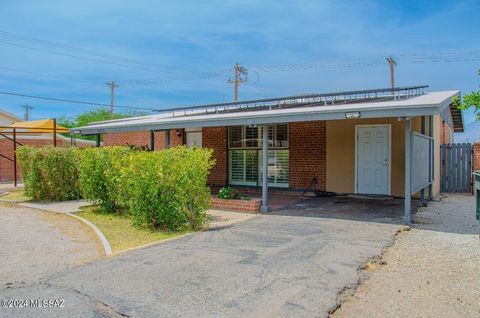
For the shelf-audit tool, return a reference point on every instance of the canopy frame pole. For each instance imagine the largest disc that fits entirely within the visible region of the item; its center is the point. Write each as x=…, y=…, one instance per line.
x=15, y=157
x=54, y=132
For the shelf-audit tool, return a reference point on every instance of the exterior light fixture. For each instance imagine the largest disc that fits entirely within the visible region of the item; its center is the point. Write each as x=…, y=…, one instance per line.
x=352, y=115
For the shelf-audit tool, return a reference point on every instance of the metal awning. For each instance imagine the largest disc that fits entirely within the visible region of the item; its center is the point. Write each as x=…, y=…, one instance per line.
x=418, y=105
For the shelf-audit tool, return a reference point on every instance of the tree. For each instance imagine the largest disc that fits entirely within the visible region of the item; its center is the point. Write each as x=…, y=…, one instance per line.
x=98, y=114
x=471, y=100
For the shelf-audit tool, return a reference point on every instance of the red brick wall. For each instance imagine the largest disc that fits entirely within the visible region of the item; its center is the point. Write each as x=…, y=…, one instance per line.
x=248, y=206
x=6, y=149
x=476, y=157
x=216, y=138
x=445, y=133
x=142, y=138
x=307, y=143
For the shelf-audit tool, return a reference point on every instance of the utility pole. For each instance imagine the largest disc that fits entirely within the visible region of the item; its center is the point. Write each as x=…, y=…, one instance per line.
x=241, y=75
x=27, y=111
x=112, y=96
x=391, y=61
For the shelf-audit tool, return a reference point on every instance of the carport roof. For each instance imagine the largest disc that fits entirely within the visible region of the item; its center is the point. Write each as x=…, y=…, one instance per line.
x=312, y=108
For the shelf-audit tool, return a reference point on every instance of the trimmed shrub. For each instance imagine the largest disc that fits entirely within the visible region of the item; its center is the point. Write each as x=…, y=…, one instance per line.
x=49, y=173
x=166, y=189
x=99, y=170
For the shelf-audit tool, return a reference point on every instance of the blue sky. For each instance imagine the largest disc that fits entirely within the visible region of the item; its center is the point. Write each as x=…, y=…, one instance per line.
x=175, y=41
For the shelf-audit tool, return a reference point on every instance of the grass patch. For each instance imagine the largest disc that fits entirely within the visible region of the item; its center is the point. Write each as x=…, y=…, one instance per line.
x=15, y=195
x=120, y=231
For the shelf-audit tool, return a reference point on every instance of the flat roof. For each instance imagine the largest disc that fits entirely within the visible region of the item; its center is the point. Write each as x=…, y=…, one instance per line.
x=405, y=106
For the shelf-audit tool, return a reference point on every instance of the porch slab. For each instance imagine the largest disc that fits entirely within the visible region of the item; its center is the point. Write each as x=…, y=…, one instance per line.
x=348, y=207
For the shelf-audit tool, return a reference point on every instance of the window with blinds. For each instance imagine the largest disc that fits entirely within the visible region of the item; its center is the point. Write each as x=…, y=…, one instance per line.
x=245, y=155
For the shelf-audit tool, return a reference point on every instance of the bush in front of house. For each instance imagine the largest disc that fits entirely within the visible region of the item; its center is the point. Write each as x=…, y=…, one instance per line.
x=228, y=193
x=99, y=171
x=166, y=189
x=49, y=173
x=163, y=190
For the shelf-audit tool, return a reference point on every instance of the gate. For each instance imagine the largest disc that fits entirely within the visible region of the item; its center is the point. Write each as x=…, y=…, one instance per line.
x=456, y=169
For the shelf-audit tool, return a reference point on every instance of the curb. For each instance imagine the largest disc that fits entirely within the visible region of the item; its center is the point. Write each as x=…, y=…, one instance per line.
x=106, y=245
x=131, y=249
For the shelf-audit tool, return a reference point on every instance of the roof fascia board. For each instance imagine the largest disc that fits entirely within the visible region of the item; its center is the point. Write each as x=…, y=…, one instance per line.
x=265, y=119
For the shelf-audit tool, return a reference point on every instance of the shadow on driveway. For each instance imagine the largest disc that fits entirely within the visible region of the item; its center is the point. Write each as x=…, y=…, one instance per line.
x=375, y=209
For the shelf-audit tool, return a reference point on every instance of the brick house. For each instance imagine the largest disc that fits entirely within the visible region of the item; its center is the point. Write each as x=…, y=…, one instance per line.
x=364, y=142
x=31, y=139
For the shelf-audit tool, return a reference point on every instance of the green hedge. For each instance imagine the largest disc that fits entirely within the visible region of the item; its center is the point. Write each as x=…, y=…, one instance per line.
x=166, y=189
x=49, y=173
x=162, y=189
x=99, y=174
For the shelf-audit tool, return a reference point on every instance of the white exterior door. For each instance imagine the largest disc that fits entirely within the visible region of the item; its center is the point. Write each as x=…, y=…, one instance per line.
x=373, y=159
x=193, y=138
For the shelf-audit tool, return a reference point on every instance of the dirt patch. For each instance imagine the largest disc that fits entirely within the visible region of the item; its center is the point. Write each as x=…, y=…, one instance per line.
x=373, y=264
x=77, y=231
x=430, y=271
x=40, y=244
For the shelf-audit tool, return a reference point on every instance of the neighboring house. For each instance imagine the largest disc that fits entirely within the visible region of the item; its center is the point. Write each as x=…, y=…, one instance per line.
x=350, y=142
x=31, y=139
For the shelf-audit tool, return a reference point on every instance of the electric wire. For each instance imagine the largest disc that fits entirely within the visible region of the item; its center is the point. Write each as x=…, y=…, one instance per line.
x=54, y=99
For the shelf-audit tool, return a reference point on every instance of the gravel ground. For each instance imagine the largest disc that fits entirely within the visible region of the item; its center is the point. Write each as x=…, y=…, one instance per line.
x=36, y=244
x=431, y=271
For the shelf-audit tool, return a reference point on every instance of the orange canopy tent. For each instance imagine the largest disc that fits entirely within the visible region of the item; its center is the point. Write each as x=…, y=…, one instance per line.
x=24, y=127
x=38, y=126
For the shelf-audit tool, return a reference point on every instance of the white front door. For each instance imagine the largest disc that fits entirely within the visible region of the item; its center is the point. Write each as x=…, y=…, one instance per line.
x=193, y=138
x=373, y=159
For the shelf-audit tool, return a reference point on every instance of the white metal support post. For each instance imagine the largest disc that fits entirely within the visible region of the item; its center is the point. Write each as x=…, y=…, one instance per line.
x=423, y=200
x=432, y=156
x=407, y=218
x=265, y=207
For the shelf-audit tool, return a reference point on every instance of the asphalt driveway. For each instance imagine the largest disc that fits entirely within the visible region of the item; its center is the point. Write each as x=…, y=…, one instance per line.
x=268, y=266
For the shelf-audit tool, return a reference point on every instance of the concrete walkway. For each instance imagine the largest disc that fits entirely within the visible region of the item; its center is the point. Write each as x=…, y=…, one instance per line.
x=222, y=219
x=59, y=207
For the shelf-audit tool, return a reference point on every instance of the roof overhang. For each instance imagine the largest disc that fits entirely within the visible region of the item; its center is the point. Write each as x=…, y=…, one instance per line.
x=427, y=104
x=457, y=119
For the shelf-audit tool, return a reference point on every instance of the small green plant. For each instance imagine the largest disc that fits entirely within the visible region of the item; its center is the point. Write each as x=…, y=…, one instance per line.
x=228, y=193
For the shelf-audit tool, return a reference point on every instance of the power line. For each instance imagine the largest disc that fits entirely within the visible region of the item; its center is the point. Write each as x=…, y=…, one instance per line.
x=74, y=101
x=86, y=51
x=43, y=75
x=72, y=56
